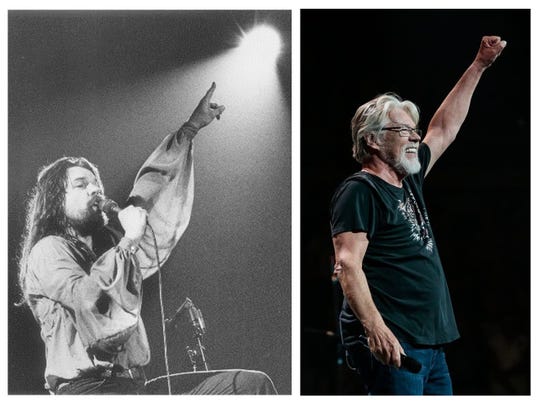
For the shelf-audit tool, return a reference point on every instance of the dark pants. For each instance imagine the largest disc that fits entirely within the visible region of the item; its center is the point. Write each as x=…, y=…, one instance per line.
x=379, y=379
x=102, y=386
x=219, y=382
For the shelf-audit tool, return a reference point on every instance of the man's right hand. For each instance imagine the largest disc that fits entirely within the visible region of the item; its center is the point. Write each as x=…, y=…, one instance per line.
x=383, y=343
x=133, y=220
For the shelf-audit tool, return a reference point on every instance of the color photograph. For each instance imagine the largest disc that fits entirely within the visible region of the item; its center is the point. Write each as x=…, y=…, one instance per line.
x=411, y=286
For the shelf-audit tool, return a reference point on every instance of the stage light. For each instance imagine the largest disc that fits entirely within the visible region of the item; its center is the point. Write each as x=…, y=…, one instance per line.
x=262, y=44
x=247, y=84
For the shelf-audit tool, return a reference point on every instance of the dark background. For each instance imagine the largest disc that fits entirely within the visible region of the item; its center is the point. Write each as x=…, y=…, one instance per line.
x=477, y=194
x=109, y=85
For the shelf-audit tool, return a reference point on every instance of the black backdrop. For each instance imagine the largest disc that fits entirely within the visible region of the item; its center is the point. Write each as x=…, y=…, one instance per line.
x=478, y=193
x=109, y=85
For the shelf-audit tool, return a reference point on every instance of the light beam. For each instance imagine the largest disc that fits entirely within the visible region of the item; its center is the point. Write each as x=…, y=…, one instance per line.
x=262, y=44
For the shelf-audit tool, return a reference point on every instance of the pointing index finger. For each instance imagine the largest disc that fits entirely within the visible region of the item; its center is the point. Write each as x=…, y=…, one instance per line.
x=210, y=92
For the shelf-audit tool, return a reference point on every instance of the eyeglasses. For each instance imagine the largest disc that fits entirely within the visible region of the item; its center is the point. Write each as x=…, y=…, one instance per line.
x=405, y=132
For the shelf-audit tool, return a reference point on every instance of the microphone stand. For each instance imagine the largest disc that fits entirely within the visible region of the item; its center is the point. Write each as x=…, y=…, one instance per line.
x=199, y=327
x=174, y=320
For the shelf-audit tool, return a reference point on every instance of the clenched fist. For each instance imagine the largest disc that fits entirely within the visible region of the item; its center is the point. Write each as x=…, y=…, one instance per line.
x=490, y=48
x=133, y=220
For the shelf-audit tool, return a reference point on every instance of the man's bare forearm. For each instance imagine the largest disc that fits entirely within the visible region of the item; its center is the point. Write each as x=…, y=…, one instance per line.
x=453, y=110
x=356, y=290
x=449, y=117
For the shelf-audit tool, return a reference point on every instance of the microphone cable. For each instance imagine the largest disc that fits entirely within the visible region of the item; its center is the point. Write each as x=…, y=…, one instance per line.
x=162, y=309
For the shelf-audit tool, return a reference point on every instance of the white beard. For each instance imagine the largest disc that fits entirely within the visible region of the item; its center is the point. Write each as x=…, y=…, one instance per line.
x=408, y=166
x=403, y=165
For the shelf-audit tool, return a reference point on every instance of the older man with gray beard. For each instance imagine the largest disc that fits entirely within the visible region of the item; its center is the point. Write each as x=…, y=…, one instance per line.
x=397, y=308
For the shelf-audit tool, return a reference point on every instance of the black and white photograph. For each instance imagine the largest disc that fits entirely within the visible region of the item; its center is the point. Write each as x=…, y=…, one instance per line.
x=149, y=202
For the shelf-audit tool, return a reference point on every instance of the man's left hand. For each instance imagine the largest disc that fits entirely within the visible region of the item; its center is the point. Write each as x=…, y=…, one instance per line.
x=206, y=111
x=490, y=48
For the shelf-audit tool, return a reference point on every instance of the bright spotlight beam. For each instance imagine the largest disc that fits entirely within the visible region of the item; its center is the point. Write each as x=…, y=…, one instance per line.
x=262, y=43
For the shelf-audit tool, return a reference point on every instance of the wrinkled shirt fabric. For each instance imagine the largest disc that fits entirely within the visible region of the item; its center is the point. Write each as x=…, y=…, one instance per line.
x=88, y=306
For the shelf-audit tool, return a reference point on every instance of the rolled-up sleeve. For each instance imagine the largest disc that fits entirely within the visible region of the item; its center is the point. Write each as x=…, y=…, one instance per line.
x=164, y=187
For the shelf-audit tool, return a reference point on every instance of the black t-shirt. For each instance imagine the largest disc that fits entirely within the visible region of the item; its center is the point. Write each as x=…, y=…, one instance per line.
x=401, y=264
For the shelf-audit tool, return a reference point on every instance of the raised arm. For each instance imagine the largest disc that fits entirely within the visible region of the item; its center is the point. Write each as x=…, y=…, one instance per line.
x=164, y=186
x=206, y=110
x=446, y=122
x=350, y=248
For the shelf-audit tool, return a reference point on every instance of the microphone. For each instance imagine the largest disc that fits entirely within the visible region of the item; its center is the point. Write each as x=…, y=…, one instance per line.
x=197, y=320
x=410, y=364
x=109, y=207
x=193, y=315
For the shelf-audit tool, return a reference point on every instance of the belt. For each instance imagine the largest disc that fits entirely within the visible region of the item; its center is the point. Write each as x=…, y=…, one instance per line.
x=136, y=374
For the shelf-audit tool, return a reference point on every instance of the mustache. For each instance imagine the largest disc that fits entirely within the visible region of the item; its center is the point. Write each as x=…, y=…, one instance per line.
x=96, y=199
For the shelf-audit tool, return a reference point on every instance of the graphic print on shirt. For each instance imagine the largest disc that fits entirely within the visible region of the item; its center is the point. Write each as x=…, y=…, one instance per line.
x=418, y=222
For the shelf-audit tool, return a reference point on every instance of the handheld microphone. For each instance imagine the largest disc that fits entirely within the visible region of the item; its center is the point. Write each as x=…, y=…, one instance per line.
x=408, y=363
x=109, y=207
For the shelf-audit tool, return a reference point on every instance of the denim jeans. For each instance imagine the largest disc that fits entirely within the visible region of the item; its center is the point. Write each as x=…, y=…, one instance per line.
x=379, y=379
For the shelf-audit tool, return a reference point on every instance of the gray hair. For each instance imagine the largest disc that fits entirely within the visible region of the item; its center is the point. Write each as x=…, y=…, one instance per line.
x=372, y=116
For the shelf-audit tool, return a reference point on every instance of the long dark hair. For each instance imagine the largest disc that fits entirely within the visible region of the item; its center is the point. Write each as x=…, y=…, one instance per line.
x=45, y=213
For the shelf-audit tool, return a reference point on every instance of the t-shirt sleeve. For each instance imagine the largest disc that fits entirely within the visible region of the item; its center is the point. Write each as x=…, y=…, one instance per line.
x=424, y=156
x=353, y=209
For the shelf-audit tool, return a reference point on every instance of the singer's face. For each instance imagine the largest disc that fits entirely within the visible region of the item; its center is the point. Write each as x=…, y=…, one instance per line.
x=81, y=201
x=401, y=153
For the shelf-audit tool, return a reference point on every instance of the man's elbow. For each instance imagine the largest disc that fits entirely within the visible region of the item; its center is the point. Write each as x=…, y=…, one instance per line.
x=340, y=263
x=343, y=266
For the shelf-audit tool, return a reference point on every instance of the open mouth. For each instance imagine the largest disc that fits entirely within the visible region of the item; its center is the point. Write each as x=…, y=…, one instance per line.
x=95, y=205
x=411, y=149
